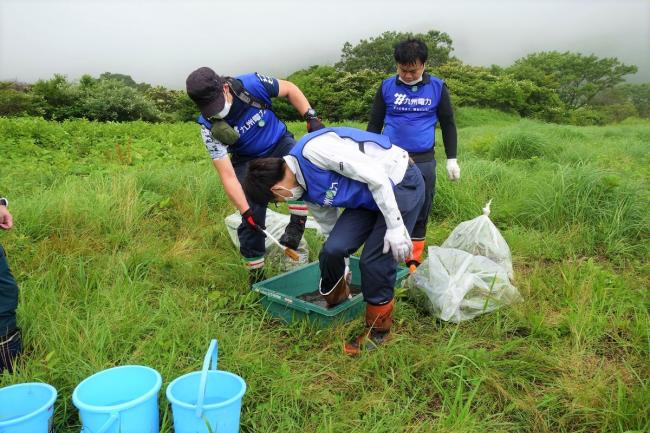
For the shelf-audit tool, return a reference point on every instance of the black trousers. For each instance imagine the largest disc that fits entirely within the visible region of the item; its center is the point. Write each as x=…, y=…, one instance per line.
x=428, y=170
x=8, y=297
x=10, y=340
x=251, y=242
x=356, y=227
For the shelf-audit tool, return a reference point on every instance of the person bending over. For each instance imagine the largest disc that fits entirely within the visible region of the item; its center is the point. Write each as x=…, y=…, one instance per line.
x=381, y=191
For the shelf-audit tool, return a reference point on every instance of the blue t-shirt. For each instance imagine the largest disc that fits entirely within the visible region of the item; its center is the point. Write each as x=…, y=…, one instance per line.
x=259, y=129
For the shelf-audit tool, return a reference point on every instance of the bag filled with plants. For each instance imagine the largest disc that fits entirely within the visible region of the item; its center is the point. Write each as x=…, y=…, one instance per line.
x=455, y=285
x=481, y=237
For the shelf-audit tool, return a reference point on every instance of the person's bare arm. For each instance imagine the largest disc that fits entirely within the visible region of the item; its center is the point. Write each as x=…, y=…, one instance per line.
x=231, y=184
x=294, y=95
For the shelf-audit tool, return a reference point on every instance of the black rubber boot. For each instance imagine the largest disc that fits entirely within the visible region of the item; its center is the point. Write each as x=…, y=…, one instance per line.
x=294, y=231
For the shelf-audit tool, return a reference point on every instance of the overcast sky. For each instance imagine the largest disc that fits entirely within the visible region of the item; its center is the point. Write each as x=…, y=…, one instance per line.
x=160, y=42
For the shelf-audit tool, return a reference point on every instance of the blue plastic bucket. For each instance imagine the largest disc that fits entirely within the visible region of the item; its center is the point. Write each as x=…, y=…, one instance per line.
x=27, y=407
x=207, y=398
x=119, y=400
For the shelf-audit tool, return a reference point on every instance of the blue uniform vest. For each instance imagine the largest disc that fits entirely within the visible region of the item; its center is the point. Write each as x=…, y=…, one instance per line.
x=411, y=115
x=259, y=129
x=328, y=188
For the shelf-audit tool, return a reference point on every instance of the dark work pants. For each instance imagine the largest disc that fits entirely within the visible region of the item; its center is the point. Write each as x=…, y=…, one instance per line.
x=10, y=343
x=8, y=297
x=356, y=227
x=428, y=170
x=251, y=242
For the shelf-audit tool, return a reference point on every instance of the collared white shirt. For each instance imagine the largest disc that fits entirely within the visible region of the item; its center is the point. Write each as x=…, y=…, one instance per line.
x=377, y=167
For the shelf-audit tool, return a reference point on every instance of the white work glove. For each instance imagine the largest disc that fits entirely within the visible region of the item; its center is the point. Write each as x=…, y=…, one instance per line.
x=453, y=170
x=399, y=242
x=348, y=273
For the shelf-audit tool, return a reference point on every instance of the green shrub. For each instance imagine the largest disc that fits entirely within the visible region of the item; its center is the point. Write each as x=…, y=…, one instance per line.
x=377, y=53
x=615, y=113
x=518, y=144
x=586, y=116
x=61, y=98
x=14, y=102
x=487, y=88
x=112, y=100
x=334, y=94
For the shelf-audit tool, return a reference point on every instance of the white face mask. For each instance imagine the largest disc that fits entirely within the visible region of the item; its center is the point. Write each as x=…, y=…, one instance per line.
x=296, y=192
x=410, y=83
x=226, y=109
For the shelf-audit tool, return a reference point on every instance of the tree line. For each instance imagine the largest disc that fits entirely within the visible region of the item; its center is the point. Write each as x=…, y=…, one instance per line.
x=563, y=87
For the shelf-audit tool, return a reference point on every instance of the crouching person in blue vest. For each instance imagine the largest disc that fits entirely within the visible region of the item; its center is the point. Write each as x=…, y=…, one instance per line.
x=236, y=119
x=382, y=193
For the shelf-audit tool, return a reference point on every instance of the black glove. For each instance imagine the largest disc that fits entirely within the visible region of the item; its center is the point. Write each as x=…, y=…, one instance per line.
x=314, y=124
x=293, y=232
x=247, y=218
x=313, y=121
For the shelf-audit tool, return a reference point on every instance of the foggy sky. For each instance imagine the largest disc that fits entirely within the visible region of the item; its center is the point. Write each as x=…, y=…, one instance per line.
x=160, y=42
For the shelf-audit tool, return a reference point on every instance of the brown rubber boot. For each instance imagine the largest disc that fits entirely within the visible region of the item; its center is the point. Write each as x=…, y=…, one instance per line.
x=379, y=319
x=340, y=292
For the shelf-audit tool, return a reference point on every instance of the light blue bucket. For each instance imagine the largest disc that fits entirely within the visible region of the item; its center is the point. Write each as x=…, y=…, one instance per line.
x=207, y=398
x=119, y=400
x=27, y=407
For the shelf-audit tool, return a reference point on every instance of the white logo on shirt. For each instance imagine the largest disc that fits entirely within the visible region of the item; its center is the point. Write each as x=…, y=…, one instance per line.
x=264, y=78
x=250, y=122
x=399, y=98
x=411, y=104
x=330, y=194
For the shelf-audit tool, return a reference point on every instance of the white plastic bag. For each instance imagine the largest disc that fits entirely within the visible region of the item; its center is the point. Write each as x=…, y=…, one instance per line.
x=481, y=238
x=456, y=285
x=275, y=225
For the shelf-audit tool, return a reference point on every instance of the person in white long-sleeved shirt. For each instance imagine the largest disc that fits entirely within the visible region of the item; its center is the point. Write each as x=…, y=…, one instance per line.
x=382, y=192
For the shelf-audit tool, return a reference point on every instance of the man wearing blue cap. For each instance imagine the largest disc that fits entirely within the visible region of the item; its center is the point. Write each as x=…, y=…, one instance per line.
x=237, y=119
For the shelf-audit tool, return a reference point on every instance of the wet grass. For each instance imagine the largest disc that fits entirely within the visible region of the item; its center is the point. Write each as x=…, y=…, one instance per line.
x=122, y=257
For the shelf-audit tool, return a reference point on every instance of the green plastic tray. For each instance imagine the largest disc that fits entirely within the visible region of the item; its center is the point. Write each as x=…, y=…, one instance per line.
x=280, y=295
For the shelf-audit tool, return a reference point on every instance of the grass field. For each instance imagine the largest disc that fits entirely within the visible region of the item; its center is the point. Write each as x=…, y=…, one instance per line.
x=122, y=257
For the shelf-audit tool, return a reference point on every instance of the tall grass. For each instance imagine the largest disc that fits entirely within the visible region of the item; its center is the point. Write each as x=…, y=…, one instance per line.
x=127, y=261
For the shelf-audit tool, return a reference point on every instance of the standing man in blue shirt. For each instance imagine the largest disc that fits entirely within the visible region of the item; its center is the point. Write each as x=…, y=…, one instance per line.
x=10, y=341
x=407, y=107
x=236, y=119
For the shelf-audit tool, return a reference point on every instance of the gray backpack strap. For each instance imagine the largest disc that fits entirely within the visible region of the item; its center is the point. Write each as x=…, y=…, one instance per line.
x=245, y=96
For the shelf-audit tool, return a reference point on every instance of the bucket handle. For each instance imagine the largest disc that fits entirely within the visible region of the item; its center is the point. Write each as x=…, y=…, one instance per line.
x=213, y=352
x=108, y=424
